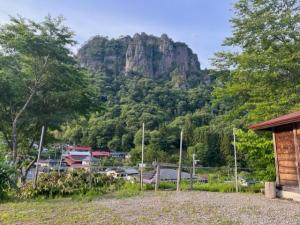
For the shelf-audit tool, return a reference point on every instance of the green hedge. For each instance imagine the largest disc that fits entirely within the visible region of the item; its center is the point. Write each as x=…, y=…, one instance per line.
x=70, y=183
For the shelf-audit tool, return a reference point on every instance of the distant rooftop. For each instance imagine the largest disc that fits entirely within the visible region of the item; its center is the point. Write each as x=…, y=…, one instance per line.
x=78, y=148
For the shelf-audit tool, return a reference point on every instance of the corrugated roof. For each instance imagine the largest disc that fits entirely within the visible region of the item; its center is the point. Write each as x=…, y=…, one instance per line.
x=279, y=121
x=78, y=147
x=99, y=153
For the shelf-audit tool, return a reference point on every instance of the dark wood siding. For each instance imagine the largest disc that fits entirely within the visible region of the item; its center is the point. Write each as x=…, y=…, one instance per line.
x=285, y=150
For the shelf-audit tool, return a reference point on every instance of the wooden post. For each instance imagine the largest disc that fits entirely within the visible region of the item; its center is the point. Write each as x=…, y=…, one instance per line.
x=275, y=157
x=157, y=178
x=179, y=163
x=296, y=144
x=270, y=189
x=142, y=167
x=38, y=159
x=235, y=163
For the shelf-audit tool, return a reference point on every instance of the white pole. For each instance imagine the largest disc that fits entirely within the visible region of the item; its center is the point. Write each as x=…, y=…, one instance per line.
x=61, y=158
x=179, y=163
x=235, y=162
x=194, y=165
x=38, y=158
x=142, y=167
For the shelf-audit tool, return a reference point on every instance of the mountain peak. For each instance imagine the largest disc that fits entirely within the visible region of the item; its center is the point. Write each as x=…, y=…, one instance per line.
x=143, y=55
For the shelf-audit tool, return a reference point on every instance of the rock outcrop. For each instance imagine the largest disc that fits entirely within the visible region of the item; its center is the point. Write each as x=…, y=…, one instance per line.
x=143, y=55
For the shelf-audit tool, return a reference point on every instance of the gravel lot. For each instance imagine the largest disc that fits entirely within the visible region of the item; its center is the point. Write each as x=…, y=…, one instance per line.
x=155, y=208
x=204, y=208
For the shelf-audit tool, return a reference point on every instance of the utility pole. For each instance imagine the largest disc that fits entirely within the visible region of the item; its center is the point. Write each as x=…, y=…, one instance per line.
x=142, y=166
x=157, y=177
x=194, y=164
x=38, y=159
x=61, y=158
x=235, y=162
x=179, y=163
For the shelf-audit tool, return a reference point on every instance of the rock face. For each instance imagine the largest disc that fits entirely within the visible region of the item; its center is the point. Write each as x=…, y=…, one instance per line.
x=143, y=55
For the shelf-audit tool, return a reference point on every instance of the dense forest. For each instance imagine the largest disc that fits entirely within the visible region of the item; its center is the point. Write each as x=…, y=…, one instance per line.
x=102, y=95
x=136, y=97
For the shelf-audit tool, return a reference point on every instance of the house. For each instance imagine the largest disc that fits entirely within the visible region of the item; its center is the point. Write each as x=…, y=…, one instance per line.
x=76, y=154
x=286, y=140
x=74, y=159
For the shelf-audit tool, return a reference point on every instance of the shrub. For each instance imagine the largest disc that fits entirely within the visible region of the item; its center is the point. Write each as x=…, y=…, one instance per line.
x=70, y=183
x=6, y=179
x=128, y=190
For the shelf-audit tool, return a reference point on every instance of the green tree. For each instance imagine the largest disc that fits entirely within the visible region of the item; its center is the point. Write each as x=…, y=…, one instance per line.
x=258, y=153
x=40, y=82
x=265, y=71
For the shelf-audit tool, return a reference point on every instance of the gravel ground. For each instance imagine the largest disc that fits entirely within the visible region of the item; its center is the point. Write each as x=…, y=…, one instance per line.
x=203, y=208
x=155, y=208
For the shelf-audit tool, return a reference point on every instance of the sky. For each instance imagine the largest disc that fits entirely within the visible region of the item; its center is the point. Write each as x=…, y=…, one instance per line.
x=202, y=24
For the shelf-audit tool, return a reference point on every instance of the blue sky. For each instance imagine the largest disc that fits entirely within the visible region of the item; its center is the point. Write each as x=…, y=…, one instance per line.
x=202, y=24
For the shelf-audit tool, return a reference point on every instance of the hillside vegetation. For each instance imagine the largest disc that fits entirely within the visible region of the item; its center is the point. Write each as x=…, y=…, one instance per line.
x=102, y=95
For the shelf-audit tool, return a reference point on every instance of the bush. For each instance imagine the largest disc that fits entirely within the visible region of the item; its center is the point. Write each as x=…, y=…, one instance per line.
x=6, y=179
x=128, y=190
x=79, y=182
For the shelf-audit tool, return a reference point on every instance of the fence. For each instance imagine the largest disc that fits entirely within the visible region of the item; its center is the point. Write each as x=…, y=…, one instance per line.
x=164, y=176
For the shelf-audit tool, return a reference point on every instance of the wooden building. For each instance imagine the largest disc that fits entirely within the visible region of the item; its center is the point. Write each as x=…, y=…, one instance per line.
x=286, y=140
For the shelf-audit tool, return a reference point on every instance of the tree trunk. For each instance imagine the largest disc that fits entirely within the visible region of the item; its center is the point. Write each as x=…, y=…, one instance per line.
x=14, y=127
x=26, y=170
x=14, y=141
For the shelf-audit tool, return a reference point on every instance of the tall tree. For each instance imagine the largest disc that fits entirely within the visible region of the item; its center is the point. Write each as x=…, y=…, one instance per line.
x=265, y=71
x=40, y=82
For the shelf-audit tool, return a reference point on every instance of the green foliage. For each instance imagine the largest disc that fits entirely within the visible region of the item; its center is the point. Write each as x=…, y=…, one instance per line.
x=70, y=183
x=40, y=82
x=129, y=190
x=264, y=78
x=259, y=81
x=7, y=177
x=258, y=152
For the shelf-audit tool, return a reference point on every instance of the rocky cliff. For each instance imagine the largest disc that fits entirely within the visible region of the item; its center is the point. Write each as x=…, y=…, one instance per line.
x=143, y=55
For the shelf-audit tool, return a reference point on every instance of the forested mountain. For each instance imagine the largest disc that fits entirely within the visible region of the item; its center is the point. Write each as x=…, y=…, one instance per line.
x=145, y=56
x=151, y=80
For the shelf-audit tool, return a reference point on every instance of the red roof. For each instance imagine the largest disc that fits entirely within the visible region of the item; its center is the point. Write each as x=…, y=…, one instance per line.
x=78, y=148
x=70, y=160
x=279, y=121
x=99, y=153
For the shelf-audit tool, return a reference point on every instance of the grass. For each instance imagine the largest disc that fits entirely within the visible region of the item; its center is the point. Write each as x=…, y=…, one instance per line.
x=128, y=190
x=185, y=186
x=55, y=211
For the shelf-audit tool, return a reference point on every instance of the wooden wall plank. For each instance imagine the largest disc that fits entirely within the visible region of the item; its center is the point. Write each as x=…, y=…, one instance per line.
x=291, y=177
x=289, y=183
x=276, y=159
x=286, y=157
x=296, y=144
x=286, y=163
x=287, y=170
